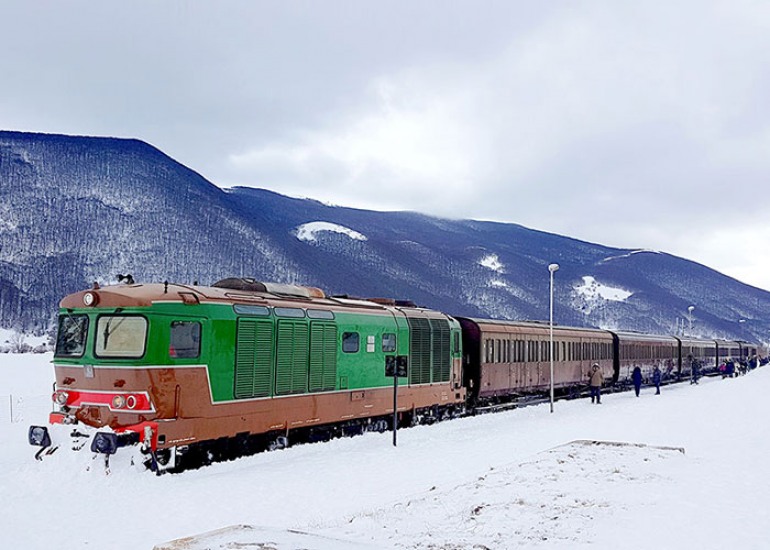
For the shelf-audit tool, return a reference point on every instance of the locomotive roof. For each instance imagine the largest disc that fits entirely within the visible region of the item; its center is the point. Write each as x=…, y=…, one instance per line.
x=268, y=294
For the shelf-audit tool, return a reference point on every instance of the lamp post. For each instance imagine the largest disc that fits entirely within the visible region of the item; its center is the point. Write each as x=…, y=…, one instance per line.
x=552, y=268
x=690, y=310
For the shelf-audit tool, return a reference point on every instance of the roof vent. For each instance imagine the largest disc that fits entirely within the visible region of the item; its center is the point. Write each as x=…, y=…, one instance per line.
x=383, y=301
x=247, y=284
x=392, y=302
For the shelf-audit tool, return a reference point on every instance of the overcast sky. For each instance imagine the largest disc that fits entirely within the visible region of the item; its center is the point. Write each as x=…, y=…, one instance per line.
x=629, y=124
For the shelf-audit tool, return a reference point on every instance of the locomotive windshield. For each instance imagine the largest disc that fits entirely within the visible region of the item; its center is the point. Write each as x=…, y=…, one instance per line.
x=121, y=336
x=71, y=336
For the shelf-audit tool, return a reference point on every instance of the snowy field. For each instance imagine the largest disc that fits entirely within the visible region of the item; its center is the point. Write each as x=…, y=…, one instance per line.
x=508, y=480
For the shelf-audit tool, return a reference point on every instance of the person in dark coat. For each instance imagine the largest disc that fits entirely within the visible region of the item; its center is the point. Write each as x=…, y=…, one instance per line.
x=656, y=379
x=730, y=368
x=753, y=362
x=636, y=378
x=694, y=369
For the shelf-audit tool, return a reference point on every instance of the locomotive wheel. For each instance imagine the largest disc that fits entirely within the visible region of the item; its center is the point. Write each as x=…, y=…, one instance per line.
x=280, y=442
x=378, y=426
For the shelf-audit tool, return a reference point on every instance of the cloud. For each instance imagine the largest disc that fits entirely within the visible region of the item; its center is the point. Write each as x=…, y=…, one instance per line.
x=408, y=142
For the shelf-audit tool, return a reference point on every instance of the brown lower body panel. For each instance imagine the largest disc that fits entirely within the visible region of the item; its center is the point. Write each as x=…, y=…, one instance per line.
x=186, y=414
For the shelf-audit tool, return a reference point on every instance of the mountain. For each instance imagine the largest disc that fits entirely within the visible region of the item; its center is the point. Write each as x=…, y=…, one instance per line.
x=74, y=210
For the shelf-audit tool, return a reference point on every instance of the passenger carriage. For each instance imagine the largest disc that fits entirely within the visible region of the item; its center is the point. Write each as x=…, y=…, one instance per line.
x=635, y=349
x=503, y=359
x=696, y=349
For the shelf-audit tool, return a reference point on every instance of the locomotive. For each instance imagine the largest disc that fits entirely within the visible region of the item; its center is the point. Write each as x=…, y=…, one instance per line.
x=189, y=374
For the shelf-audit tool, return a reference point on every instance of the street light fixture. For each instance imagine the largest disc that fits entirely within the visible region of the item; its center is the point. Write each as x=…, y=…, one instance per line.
x=552, y=268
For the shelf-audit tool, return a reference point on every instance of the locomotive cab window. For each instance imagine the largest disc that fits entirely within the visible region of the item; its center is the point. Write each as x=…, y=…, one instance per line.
x=71, y=336
x=185, y=341
x=121, y=336
x=350, y=342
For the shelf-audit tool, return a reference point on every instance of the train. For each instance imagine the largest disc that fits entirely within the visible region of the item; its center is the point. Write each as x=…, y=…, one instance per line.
x=187, y=375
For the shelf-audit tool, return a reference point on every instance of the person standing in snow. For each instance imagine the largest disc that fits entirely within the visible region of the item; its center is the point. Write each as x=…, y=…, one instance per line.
x=729, y=368
x=656, y=379
x=636, y=378
x=753, y=362
x=693, y=369
x=597, y=379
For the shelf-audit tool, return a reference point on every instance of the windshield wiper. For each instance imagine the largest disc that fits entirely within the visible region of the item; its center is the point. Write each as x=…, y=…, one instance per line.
x=108, y=332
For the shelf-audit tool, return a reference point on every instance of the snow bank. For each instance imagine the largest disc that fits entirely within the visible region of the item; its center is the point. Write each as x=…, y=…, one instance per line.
x=249, y=536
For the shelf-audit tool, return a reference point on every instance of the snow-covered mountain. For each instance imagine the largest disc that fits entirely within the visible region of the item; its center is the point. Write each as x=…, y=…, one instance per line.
x=74, y=210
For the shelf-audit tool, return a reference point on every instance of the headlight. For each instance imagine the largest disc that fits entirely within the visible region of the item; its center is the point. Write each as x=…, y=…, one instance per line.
x=90, y=298
x=118, y=402
x=61, y=397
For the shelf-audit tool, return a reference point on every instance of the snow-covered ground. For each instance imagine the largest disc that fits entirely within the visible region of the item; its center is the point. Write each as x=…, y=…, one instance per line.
x=509, y=480
x=11, y=339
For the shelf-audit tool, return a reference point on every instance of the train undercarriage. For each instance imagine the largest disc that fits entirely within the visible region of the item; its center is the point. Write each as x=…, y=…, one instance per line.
x=138, y=440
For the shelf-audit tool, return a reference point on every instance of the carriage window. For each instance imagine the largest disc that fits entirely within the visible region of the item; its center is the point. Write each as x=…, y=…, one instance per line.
x=71, y=336
x=185, y=340
x=388, y=342
x=121, y=336
x=350, y=342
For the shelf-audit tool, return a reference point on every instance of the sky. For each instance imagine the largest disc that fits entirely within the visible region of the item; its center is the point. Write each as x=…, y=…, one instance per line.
x=508, y=480
x=628, y=124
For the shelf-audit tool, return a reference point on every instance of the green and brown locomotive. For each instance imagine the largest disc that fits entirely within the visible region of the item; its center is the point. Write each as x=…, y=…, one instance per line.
x=194, y=374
